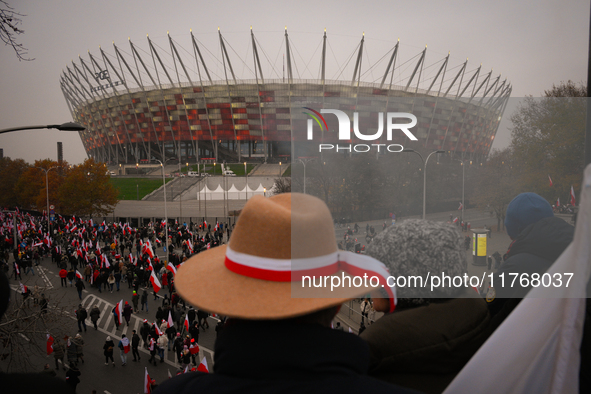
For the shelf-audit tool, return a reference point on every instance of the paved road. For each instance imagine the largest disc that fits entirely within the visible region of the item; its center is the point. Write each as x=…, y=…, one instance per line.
x=95, y=375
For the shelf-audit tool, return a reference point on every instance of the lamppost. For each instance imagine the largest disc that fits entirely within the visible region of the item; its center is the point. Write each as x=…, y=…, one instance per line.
x=280, y=169
x=69, y=126
x=246, y=188
x=47, y=194
x=304, y=162
x=165, y=211
x=463, y=183
x=264, y=191
x=424, y=175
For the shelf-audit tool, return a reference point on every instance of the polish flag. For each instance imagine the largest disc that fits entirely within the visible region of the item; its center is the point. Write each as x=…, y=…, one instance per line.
x=573, y=201
x=169, y=374
x=150, y=267
x=461, y=207
x=194, y=348
x=158, y=330
x=209, y=245
x=49, y=344
x=147, y=383
x=550, y=179
x=79, y=275
x=186, y=323
x=119, y=311
x=203, y=366
x=456, y=220
x=558, y=202
x=171, y=268
x=126, y=346
x=18, y=271
x=190, y=245
x=155, y=282
x=169, y=323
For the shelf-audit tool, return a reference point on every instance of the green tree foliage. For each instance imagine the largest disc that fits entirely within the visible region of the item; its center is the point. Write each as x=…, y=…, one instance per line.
x=86, y=190
x=548, y=138
x=10, y=172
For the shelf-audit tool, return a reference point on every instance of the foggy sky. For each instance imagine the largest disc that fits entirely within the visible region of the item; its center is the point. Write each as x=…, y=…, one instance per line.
x=534, y=44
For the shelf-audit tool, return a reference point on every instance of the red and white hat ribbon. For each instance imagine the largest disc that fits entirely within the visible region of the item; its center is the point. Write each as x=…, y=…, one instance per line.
x=288, y=270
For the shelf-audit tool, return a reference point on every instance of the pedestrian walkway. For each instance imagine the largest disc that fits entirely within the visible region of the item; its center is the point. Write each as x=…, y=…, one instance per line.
x=106, y=325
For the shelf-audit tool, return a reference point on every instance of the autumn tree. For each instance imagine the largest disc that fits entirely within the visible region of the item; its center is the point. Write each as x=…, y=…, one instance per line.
x=548, y=138
x=10, y=172
x=86, y=190
x=31, y=188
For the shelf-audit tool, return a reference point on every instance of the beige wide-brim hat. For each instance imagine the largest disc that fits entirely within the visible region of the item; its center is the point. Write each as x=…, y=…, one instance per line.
x=251, y=278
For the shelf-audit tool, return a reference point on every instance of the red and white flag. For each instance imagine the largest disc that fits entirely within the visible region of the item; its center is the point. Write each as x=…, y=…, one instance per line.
x=203, y=366
x=456, y=220
x=126, y=346
x=558, y=202
x=461, y=207
x=194, y=348
x=79, y=275
x=186, y=323
x=169, y=323
x=171, y=268
x=147, y=383
x=169, y=374
x=155, y=282
x=573, y=201
x=49, y=344
x=158, y=330
x=550, y=179
x=119, y=311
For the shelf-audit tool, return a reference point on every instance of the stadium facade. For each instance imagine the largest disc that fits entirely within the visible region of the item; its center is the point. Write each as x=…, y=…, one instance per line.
x=156, y=104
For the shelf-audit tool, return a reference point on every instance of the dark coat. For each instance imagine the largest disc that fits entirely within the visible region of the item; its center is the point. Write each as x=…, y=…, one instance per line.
x=95, y=314
x=127, y=312
x=534, y=250
x=108, y=345
x=425, y=347
x=302, y=358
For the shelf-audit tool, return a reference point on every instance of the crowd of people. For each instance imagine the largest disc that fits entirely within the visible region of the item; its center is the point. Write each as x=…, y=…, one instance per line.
x=420, y=343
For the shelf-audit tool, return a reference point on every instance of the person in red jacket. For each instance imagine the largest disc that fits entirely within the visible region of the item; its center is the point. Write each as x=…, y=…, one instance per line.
x=63, y=275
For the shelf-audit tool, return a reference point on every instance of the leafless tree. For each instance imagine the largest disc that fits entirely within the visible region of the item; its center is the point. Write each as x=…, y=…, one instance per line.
x=9, y=30
x=24, y=328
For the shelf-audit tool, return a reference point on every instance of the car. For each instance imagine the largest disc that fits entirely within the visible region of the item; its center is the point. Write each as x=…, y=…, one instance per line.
x=229, y=173
x=112, y=173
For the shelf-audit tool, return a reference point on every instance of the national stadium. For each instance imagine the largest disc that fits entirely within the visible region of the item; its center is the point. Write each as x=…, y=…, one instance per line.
x=178, y=100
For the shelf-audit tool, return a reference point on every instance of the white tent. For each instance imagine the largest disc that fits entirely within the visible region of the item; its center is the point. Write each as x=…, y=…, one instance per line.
x=235, y=194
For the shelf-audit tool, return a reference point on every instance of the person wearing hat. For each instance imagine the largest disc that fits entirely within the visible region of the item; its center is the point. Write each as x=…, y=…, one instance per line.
x=127, y=312
x=538, y=239
x=79, y=342
x=432, y=334
x=135, y=298
x=262, y=280
x=145, y=331
x=108, y=350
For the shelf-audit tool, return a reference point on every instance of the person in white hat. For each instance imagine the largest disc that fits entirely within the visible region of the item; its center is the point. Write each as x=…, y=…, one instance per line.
x=278, y=337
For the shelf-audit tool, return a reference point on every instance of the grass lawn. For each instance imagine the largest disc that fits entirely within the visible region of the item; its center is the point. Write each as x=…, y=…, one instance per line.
x=287, y=173
x=209, y=168
x=128, y=187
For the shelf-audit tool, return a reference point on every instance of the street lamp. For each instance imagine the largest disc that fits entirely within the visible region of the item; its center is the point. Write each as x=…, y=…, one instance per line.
x=424, y=175
x=246, y=188
x=264, y=191
x=304, y=162
x=165, y=211
x=280, y=169
x=47, y=194
x=69, y=126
